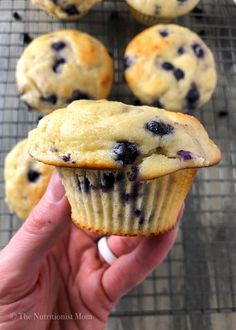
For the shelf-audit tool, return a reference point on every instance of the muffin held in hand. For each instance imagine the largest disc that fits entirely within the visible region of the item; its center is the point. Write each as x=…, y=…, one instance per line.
x=159, y=11
x=126, y=169
x=63, y=66
x=170, y=67
x=26, y=180
x=66, y=9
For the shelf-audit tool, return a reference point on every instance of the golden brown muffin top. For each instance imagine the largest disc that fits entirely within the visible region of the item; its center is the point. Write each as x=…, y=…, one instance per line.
x=111, y=135
x=62, y=66
x=171, y=67
x=26, y=180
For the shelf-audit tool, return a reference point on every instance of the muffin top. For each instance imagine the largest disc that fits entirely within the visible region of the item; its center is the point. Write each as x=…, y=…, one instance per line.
x=171, y=67
x=63, y=66
x=66, y=9
x=26, y=180
x=111, y=135
x=163, y=8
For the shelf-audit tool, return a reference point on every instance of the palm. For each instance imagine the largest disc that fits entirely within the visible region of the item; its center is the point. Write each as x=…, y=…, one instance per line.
x=72, y=285
x=77, y=266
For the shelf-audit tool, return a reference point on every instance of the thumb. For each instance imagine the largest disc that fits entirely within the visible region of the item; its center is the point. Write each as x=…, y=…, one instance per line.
x=48, y=220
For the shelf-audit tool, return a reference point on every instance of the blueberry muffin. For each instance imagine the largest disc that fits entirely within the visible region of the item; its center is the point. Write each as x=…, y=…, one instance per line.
x=170, y=67
x=159, y=11
x=26, y=180
x=66, y=9
x=127, y=169
x=63, y=66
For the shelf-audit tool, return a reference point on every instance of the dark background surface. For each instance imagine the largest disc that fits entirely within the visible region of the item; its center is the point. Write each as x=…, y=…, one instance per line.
x=195, y=288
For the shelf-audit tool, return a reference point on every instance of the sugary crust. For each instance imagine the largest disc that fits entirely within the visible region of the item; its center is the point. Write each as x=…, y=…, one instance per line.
x=163, y=9
x=151, y=82
x=58, y=141
x=56, y=10
x=86, y=66
x=22, y=195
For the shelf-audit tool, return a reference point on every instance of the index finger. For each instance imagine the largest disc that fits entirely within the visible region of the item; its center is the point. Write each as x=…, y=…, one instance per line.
x=132, y=268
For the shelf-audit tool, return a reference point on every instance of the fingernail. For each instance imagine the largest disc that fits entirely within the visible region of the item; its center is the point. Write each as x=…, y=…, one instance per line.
x=55, y=191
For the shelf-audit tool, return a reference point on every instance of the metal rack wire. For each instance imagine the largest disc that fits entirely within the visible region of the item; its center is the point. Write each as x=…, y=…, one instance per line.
x=199, y=275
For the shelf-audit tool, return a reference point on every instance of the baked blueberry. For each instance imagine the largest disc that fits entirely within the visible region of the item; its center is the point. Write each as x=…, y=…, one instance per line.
x=223, y=113
x=198, y=50
x=26, y=38
x=141, y=221
x=125, y=152
x=120, y=176
x=86, y=185
x=57, y=65
x=128, y=61
x=33, y=175
x=108, y=181
x=164, y=33
x=167, y=66
x=133, y=175
x=137, y=212
x=66, y=158
x=192, y=97
x=134, y=192
x=16, y=16
x=181, y=50
x=52, y=99
x=124, y=197
x=179, y=74
x=159, y=128
x=59, y=45
x=185, y=155
x=54, y=149
x=71, y=10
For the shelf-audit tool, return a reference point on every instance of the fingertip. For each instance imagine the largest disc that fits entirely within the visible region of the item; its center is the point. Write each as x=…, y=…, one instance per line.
x=132, y=269
x=53, y=210
x=55, y=191
x=120, y=245
x=53, y=205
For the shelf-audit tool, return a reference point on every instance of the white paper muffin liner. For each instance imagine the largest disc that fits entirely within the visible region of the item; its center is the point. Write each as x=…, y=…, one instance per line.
x=112, y=203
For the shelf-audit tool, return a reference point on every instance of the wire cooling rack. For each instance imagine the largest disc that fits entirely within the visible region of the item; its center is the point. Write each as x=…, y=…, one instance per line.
x=199, y=275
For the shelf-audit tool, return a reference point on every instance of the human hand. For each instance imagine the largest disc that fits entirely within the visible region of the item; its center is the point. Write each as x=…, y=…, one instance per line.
x=52, y=277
